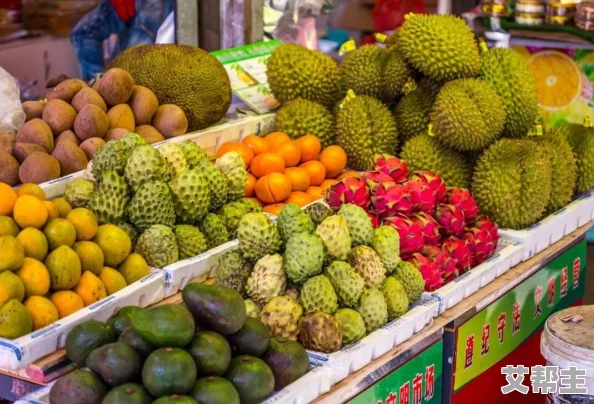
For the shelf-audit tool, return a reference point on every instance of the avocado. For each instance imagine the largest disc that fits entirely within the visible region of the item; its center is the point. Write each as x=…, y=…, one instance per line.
x=116, y=363
x=78, y=387
x=219, y=309
x=253, y=338
x=211, y=352
x=214, y=390
x=175, y=399
x=131, y=337
x=129, y=393
x=251, y=377
x=120, y=320
x=288, y=361
x=168, y=371
x=86, y=337
x=168, y=325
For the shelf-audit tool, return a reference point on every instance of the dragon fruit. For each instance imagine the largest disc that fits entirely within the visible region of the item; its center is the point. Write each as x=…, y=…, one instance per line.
x=430, y=270
x=434, y=181
x=349, y=190
x=410, y=232
x=390, y=199
x=374, y=178
x=459, y=252
x=442, y=258
x=450, y=219
x=484, y=223
x=430, y=227
x=463, y=200
x=422, y=197
x=392, y=166
x=375, y=221
x=480, y=244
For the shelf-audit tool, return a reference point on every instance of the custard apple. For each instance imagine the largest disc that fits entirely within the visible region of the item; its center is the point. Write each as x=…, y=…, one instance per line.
x=191, y=196
x=292, y=220
x=347, y=283
x=318, y=294
x=351, y=325
x=318, y=211
x=321, y=332
x=195, y=156
x=190, y=242
x=304, y=257
x=411, y=279
x=213, y=229
x=373, y=309
x=111, y=156
x=132, y=141
x=396, y=298
x=174, y=158
x=110, y=198
x=233, y=272
x=151, y=204
x=334, y=233
x=131, y=231
x=282, y=315
x=230, y=214
x=386, y=243
x=217, y=185
x=145, y=165
x=158, y=246
x=267, y=279
x=258, y=236
x=78, y=192
x=233, y=167
x=359, y=224
x=368, y=264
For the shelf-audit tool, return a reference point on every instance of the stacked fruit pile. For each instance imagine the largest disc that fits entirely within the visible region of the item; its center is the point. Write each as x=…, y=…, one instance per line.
x=205, y=351
x=55, y=260
x=62, y=135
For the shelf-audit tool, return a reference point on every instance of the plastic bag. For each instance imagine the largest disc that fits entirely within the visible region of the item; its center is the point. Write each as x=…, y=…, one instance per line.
x=166, y=33
x=12, y=116
x=389, y=14
x=297, y=23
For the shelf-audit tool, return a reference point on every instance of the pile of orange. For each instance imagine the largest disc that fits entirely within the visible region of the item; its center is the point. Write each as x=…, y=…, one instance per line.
x=284, y=171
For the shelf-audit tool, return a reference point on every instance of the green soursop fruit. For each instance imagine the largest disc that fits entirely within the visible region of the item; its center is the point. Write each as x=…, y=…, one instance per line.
x=396, y=298
x=252, y=309
x=304, y=257
x=411, y=279
x=368, y=264
x=302, y=117
x=512, y=183
x=347, y=283
x=508, y=73
x=334, y=233
x=232, y=166
x=195, y=156
x=321, y=332
x=233, y=272
x=267, y=279
x=132, y=141
x=218, y=186
x=318, y=212
x=373, y=309
x=282, y=315
x=110, y=198
x=190, y=242
x=364, y=128
x=581, y=139
x=317, y=294
x=386, y=243
x=412, y=113
x=78, y=192
x=145, y=165
x=214, y=230
x=131, y=231
x=258, y=236
x=468, y=115
x=292, y=220
x=359, y=224
x=294, y=71
x=174, y=158
x=191, y=196
x=111, y=156
x=351, y=325
x=158, y=246
x=151, y=204
x=426, y=153
x=442, y=47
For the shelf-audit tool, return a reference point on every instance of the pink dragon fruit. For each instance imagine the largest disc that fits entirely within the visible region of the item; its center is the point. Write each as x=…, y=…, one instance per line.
x=434, y=181
x=422, y=197
x=462, y=198
x=430, y=227
x=430, y=270
x=375, y=221
x=390, y=199
x=442, y=258
x=480, y=244
x=349, y=190
x=410, y=232
x=374, y=178
x=450, y=219
x=459, y=252
x=392, y=166
x=484, y=223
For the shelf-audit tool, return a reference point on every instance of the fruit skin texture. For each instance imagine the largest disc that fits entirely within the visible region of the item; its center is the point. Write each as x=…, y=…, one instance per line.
x=318, y=212
x=288, y=361
x=351, y=325
x=190, y=242
x=211, y=352
x=251, y=377
x=14, y=287
x=151, y=204
x=267, y=279
x=218, y=186
x=463, y=200
x=191, y=195
x=233, y=272
x=110, y=198
x=411, y=280
x=373, y=309
x=390, y=199
x=86, y=337
x=158, y=246
x=64, y=267
x=359, y=224
x=251, y=309
x=292, y=220
x=112, y=156
x=15, y=320
x=412, y=113
x=214, y=230
x=302, y=117
x=386, y=243
x=581, y=139
x=168, y=371
x=368, y=264
x=317, y=294
x=232, y=166
x=349, y=190
x=114, y=242
x=168, y=325
x=145, y=164
x=460, y=253
x=451, y=220
x=410, y=233
x=283, y=317
x=78, y=387
x=231, y=213
x=395, y=296
x=512, y=183
x=258, y=236
x=321, y=332
x=304, y=257
x=334, y=233
x=127, y=393
x=78, y=192
x=213, y=389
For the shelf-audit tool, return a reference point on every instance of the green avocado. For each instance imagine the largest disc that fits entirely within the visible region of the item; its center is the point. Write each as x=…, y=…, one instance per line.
x=211, y=352
x=131, y=337
x=253, y=338
x=251, y=377
x=78, y=387
x=168, y=325
x=169, y=371
x=288, y=361
x=116, y=363
x=129, y=393
x=120, y=320
x=214, y=390
x=86, y=337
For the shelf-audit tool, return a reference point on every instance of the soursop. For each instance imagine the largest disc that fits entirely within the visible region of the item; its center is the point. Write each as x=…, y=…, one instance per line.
x=214, y=230
x=158, y=246
x=78, y=192
x=347, y=283
x=110, y=198
x=233, y=167
x=282, y=315
x=174, y=158
x=151, y=204
x=359, y=224
x=292, y=220
x=334, y=233
x=190, y=242
x=373, y=309
x=318, y=212
x=267, y=279
x=386, y=243
x=252, y=309
x=233, y=272
x=304, y=257
x=396, y=298
x=321, y=332
x=351, y=325
x=317, y=294
x=411, y=279
x=368, y=264
x=191, y=196
x=258, y=236
x=145, y=165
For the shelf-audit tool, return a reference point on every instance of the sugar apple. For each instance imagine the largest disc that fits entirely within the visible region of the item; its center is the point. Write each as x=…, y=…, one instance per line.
x=373, y=309
x=78, y=192
x=233, y=272
x=386, y=243
x=321, y=332
x=347, y=283
x=368, y=264
x=304, y=257
x=151, y=204
x=351, y=325
x=282, y=315
x=233, y=167
x=214, y=230
x=158, y=246
x=359, y=224
x=318, y=294
x=411, y=279
x=334, y=233
x=395, y=296
x=145, y=165
x=191, y=196
x=258, y=236
x=292, y=220
x=190, y=242
x=267, y=279
x=174, y=158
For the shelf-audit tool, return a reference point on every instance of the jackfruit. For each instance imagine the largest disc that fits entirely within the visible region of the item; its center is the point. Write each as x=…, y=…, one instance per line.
x=183, y=75
x=413, y=110
x=581, y=139
x=302, y=117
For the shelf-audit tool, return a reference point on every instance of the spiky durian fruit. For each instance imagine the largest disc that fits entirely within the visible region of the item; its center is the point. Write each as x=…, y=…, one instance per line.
x=581, y=139
x=512, y=183
x=413, y=110
x=302, y=117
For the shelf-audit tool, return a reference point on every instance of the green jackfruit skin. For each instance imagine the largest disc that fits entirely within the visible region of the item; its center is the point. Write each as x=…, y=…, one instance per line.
x=441, y=47
x=365, y=127
x=151, y=204
x=196, y=81
x=411, y=279
x=190, y=241
x=468, y=115
x=296, y=72
x=302, y=117
x=512, y=183
x=412, y=113
x=233, y=272
x=581, y=139
x=505, y=70
x=158, y=246
x=292, y=220
x=426, y=153
x=214, y=230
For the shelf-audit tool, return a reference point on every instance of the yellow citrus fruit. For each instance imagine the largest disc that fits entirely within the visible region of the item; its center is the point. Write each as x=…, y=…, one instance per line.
x=42, y=310
x=12, y=287
x=91, y=256
x=134, y=268
x=59, y=232
x=64, y=267
x=115, y=244
x=112, y=279
x=90, y=289
x=35, y=277
x=8, y=226
x=12, y=254
x=52, y=210
x=85, y=223
x=66, y=302
x=31, y=189
x=8, y=197
x=63, y=207
x=34, y=243
x=29, y=211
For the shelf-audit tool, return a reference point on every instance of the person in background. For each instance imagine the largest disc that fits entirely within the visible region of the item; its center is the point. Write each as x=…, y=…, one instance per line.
x=133, y=21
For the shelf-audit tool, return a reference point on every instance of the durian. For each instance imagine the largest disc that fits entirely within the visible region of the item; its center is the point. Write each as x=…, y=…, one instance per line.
x=302, y=117
x=412, y=113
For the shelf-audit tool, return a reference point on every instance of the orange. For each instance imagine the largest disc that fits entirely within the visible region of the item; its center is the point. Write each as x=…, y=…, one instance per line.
x=31, y=189
x=273, y=188
x=316, y=193
x=289, y=151
x=52, y=210
x=273, y=209
x=276, y=138
x=244, y=151
x=299, y=178
x=267, y=163
x=334, y=159
x=327, y=184
x=310, y=147
x=256, y=200
x=256, y=143
x=316, y=171
x=7, y=199
x=300, y=198
x=250, y=185
x=29, y=212
x=347, y=174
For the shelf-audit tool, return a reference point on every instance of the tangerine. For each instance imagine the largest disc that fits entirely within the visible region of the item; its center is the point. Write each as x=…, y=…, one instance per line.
x=316, y=171
x=244, y=151
x=289, y=151
x=29, y=211
x=256, y=143
x=310, y=147
x=267, y=163
x=327, y=184
x=316, y=193
x=31, y=189
x=334, y=159
x=300, y=198
x=8, y=197
x=273, y=188
x=299, y=178
x=250, y=185
x=276, y=138
x=273, y=209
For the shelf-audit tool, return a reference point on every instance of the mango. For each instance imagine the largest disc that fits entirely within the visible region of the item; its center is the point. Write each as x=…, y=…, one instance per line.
x=12, y=287
x=66, y=302
x=134, y=268
x=112, y=279
x=42, y=311
x=35, y=277
x=34, y=243
x=90, y=289
x=115, y=244
x=64, y=267
x=15, y=320
x=12, y=254
x=91, y=256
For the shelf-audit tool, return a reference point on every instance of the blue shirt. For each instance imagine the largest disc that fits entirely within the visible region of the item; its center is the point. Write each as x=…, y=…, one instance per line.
x=98, y=25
